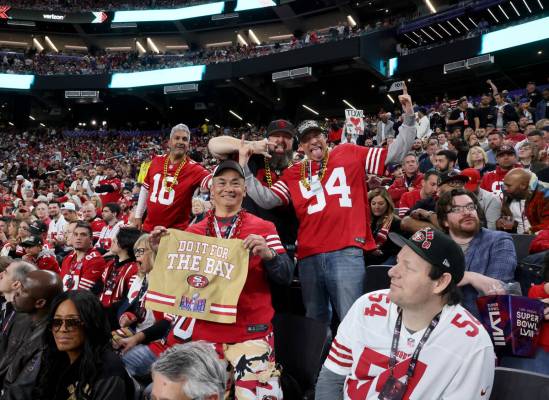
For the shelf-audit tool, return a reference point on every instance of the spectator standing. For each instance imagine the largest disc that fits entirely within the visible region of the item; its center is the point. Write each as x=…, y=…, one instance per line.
x=423, y=124
x=462, y=117
x=532, y=94
x=110, y=188
x=542, y=108
x=384, y=128
x=505, y=112
x=485, y=113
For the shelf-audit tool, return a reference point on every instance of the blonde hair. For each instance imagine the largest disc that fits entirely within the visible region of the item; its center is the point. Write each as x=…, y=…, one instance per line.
x=143, y=241
x=470, y=157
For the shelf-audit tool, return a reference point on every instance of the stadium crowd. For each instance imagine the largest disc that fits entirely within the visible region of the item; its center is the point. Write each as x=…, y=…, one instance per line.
x=435, y=192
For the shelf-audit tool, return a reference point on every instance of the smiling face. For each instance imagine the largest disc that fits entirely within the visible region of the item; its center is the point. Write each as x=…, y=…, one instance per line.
x=179, y=143
x=464, y=223
x=228, y=190
x=314, y=145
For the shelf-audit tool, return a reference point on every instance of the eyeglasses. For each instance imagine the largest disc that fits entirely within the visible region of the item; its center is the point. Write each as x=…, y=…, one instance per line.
x=139, y=252
x=71, y=324
x=460, y=209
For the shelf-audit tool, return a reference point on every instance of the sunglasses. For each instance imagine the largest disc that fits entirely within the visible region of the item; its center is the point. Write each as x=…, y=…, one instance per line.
x=71, y=324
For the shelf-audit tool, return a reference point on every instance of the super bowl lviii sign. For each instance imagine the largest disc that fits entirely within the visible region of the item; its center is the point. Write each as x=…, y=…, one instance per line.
x=198, y=276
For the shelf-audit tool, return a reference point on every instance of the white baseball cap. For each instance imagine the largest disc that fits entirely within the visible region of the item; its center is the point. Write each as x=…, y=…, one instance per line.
x=68, y=207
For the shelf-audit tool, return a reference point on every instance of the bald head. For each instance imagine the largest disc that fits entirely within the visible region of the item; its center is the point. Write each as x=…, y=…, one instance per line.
x=38, y=290
x=517, y=182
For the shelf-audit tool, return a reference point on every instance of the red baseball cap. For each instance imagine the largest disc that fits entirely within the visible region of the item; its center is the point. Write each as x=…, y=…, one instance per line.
x=474, y=178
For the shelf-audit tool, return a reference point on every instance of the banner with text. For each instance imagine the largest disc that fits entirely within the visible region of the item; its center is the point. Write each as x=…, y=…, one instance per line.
x=354, y=122
x=198, y=276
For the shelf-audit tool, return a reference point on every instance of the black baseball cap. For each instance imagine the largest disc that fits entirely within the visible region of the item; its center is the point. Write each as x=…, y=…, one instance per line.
x=228, y=164
x=32, y=241
x=436, y=248
x=281, y=125
x=307, y=126
x=38, y=227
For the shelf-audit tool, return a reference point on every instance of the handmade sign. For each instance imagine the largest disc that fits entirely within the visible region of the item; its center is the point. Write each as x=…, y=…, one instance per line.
x=198, y=276
x=354, y=122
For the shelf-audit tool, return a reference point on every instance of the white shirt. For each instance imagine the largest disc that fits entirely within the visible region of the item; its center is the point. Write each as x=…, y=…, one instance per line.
x=107, y=234
x=423, y=127
x=84, y=184
x=56, y=227
x=517, y=207
x=457, y=362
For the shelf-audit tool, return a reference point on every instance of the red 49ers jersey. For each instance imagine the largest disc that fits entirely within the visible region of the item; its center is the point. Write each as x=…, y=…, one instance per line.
x=111, y=197
x=333, y=214
x=82, y=274
x=457, y=361
x=171, y=209
x=97, y=225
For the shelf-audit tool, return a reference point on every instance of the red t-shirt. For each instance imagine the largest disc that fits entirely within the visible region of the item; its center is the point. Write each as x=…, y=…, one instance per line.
x=254, y=308
x=493, y=181
x=518, y=137
x=48, y=262
x=97, y=225
x=82, y=274
x=538, y=292
x=171, y=209
x=341, y=200
x=407, y=201
x=111, y=197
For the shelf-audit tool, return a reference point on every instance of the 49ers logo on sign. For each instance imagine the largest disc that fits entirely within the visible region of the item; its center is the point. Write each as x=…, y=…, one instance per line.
x=198, y=281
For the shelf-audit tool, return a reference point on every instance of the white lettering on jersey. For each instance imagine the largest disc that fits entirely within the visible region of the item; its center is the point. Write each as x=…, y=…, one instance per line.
x=163, y=196
x=316, y=190
x=183, y=328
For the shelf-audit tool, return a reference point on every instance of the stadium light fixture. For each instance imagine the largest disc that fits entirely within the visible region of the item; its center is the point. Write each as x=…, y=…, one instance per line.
x=430, y=6
x=473, y=22
x=462, y=24
x=429, y=36
x=514, y=8
x=444, y=29
x=390, y=98
x=541, y=5
x=236, y=115
x=452, y=25
x=351, y=21
x=254, y=37
x=42, y=125
x=241, y=40
x=140, y=47
x=527, y=6
x=281, y=37
x=104, y=123
x=152, y=45
x=217, y=126
x=419, y=37
x=493, y=16
x=409, y=37
x=50, y=43
x=349, y=104
x=503, y=11
x=93, y=122
x=250, y=125
x=433, y=29
x=310, y=109
x=11, y=123
x=206, y=119
x=37, y=44
x=218, y=44
x=31, y=117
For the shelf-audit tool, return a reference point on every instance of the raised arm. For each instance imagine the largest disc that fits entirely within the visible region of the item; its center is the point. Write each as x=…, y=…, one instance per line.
x=407, y=132
x=222, y=146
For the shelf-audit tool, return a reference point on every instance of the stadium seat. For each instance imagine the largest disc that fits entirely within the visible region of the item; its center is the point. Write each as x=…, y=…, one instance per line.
x=522, y=243
x=377, y=277
x=513, y=384
x=298, y=347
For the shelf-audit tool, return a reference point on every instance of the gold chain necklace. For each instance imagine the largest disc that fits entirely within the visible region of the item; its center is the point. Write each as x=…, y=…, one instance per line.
x=169, y=186
x=268, y=175
x=321, y=173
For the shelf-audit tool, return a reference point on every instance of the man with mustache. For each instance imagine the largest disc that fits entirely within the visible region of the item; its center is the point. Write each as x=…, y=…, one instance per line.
x=169, y=185
x=490, y=257
x=329, y=194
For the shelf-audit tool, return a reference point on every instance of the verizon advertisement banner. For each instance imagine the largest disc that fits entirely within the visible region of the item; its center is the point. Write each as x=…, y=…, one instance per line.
x=90, y=17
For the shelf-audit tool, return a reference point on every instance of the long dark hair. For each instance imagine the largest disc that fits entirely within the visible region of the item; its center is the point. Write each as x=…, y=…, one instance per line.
x=96, y=342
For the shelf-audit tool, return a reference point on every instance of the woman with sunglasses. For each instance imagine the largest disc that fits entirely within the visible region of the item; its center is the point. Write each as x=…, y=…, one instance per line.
x=77, y=362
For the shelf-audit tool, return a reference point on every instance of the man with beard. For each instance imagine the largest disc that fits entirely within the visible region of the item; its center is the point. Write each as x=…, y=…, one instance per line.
x=329, y=195
x=529, y=208
x=169, y=185
x=490, y=256
x=270, y=159
x=57, y=222
x=495, y=139
x=485, y=113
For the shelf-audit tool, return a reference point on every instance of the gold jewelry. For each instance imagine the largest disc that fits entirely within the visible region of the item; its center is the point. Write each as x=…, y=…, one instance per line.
x=169, y=186
x=268, y=175
x=321, y=172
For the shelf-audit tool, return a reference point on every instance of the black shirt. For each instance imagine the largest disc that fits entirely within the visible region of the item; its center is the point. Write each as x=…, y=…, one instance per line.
x=486, y=115
x=467, y=122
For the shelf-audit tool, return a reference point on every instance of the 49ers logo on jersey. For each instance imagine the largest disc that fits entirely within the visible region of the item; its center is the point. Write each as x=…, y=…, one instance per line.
x=198, y=281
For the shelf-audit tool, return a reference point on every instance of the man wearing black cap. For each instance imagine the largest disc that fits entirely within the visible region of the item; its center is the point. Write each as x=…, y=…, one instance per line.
x=507, y=160
x=330, y=198
x=462, y=117
x=271, y=157
x=252, y=335
x=36, y=253
x=413, y=340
